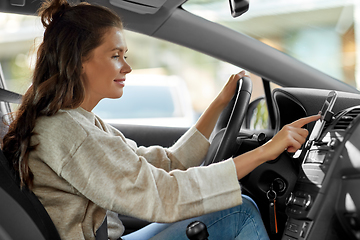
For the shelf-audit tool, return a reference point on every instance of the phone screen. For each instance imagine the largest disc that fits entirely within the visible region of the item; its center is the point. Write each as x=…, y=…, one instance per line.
x=327, y=106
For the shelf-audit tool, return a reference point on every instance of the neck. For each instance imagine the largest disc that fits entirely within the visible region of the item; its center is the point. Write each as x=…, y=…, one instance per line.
x=89, y=105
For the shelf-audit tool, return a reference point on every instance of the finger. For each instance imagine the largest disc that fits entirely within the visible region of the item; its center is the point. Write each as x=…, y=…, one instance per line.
x=292, y=149
x=300, y=137
x=290, y=129
x=234, y=78
x=294, y=137
x=302, y=132
x=303, y=121
x=232, y=81
x=295, y=145
x=239, y=75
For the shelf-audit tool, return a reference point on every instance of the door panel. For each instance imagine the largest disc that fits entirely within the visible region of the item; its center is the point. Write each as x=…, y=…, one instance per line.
x=151, y=135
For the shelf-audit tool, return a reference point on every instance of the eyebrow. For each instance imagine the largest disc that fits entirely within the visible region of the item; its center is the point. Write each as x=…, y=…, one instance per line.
x=119, y=49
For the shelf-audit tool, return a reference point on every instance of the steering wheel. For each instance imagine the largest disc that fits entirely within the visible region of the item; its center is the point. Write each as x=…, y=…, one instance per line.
x=223, y=138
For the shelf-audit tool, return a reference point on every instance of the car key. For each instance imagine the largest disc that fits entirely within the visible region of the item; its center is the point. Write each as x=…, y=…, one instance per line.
x=271, y=195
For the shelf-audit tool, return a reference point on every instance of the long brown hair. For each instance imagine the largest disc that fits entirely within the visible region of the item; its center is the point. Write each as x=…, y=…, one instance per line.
x=71, y=33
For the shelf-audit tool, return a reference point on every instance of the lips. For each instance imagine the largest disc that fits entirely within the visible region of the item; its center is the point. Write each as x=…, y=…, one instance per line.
x=120, y=82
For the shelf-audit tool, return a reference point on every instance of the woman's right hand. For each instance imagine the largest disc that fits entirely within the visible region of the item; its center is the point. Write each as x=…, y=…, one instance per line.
x=289, y=138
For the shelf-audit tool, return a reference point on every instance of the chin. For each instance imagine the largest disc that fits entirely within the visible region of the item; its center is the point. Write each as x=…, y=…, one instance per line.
x=115, y=96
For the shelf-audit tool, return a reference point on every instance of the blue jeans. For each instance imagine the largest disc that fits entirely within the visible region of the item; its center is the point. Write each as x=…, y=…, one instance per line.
x=240, y=222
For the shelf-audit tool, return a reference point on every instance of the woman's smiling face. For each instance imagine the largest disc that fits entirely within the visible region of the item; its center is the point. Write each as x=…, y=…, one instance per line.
x=104, y=73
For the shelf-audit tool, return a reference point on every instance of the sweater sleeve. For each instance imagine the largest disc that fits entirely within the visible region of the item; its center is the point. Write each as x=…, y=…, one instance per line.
x=188, y=151
x=108, y=172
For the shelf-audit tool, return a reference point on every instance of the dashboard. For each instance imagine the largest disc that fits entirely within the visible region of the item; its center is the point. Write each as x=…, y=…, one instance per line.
x=326, y=193
x=324, y=202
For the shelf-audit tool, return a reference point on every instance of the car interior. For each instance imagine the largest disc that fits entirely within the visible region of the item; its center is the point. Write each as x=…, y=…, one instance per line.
x=315, y=190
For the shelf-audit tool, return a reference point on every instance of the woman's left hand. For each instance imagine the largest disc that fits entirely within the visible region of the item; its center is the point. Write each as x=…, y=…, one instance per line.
x=208, y=119
x=229, y=89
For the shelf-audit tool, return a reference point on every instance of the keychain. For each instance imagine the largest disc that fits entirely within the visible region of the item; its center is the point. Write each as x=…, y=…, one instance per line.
x=271, y=195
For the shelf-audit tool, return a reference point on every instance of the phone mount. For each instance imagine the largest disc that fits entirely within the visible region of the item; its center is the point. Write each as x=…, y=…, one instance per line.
x=328, y=117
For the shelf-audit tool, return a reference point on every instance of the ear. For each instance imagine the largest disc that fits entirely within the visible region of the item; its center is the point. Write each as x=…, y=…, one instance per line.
x=83, y=71
x=83, y=67
x=84, y=61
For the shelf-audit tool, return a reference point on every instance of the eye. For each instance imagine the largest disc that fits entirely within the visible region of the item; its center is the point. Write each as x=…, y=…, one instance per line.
x=115, y=56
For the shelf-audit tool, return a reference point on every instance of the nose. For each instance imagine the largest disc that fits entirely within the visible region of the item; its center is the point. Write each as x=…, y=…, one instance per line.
x=126, y=68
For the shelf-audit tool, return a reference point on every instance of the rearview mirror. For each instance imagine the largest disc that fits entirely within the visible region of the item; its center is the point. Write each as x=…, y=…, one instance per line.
x=238, y=7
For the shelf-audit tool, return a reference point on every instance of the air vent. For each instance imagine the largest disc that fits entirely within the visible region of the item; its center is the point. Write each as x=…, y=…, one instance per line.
x=346, y=119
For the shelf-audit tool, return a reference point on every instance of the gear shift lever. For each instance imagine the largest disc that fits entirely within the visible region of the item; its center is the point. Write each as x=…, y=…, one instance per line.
x=197, y=231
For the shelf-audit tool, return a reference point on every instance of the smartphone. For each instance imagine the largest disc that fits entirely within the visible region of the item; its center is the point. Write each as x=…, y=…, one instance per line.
x=326, y=115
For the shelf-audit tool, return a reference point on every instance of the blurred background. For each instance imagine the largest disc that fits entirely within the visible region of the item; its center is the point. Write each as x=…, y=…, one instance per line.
x=322, y=33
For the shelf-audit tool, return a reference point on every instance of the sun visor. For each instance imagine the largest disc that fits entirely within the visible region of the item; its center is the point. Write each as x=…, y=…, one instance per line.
x=139, y=6
x=17, y=3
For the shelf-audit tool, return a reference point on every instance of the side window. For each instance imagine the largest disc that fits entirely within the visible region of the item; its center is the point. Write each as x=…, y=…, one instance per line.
x=258, y=111
x=258, y=115
x=152, y=95
x=150, y=100
x=20, y=35
x=4, y=107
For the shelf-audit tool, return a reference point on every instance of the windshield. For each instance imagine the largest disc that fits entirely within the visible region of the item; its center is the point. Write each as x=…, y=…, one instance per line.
x=321, y=33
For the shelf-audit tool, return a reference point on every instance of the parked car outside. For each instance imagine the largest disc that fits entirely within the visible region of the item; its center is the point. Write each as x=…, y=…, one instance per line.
x=154, y=100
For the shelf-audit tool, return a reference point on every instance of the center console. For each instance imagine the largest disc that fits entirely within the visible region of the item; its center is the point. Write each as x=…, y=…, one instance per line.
x=308, y=194
x=310, y=206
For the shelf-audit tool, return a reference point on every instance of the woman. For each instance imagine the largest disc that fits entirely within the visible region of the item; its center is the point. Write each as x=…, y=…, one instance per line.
x=82, y=169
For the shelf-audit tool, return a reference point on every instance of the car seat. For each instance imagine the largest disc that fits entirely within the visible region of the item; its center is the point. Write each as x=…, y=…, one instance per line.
x=22, y=214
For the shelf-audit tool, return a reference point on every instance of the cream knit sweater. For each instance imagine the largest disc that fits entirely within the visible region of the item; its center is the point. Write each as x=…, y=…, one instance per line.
x=84, y=167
